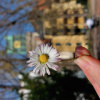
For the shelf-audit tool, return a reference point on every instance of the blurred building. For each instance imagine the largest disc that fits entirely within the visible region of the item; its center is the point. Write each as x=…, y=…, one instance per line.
x=95, y=32
x=66, y=44
x=65, y=25
x=16, y=44
x=67, y=18
x=21, y=44
x=32, y=40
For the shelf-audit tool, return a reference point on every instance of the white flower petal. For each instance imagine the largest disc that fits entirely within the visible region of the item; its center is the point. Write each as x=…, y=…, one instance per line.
x=30, y=65
x=43, y=71
x=29, y=61
x=54, y=60
x=53, y=53
x=49, y=49
x=52, y=66
x=42, y=48
x=37, y=70
x=38, y=51
x=36, y=67
x=30, y=53
x=33, y=51
x=45, y=49
x=47, y=70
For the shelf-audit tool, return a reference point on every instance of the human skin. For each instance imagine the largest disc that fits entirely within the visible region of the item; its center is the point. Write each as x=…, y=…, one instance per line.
x=90, y=66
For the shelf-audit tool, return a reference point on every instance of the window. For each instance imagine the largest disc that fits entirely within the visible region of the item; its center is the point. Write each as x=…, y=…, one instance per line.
x=68, y=44
x=78, y=43
x=58, y=44
x=87, y=44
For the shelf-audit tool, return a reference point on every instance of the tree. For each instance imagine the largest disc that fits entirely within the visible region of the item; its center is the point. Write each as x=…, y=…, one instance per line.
x=62, y=85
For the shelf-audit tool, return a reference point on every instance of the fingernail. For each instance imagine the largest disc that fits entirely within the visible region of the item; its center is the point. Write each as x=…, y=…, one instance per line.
x=81, y=51
x=83, y=64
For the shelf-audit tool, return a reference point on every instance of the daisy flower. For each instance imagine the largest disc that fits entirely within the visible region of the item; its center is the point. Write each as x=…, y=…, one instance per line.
x=43, y=58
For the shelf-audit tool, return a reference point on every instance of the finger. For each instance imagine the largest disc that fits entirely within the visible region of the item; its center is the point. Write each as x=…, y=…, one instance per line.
x=92, y=81
x=88, y=63
x=91, y=66
x=81, y=51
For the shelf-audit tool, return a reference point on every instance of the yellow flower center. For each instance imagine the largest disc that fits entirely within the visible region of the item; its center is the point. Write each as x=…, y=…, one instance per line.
x=43, y=58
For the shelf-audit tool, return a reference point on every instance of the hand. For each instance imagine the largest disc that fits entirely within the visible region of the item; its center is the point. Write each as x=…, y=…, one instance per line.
x=90, y=67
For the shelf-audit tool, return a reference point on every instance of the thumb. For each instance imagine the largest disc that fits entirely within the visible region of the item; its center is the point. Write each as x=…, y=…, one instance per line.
x=88, y=63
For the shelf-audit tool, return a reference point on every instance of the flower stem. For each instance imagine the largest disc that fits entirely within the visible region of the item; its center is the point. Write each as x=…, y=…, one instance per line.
x=68, y=60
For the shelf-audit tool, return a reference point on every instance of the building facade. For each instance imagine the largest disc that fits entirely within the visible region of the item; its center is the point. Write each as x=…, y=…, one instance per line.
x=66, y=44
x=65, y=18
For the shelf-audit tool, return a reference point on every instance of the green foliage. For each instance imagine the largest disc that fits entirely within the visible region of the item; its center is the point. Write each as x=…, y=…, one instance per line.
x=59, y=86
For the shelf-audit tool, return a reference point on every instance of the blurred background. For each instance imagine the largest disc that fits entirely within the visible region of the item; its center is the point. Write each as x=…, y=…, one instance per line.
x=65, y=24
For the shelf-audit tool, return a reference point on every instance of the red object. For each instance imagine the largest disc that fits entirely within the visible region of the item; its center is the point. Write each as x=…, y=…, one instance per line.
x=41, y=3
